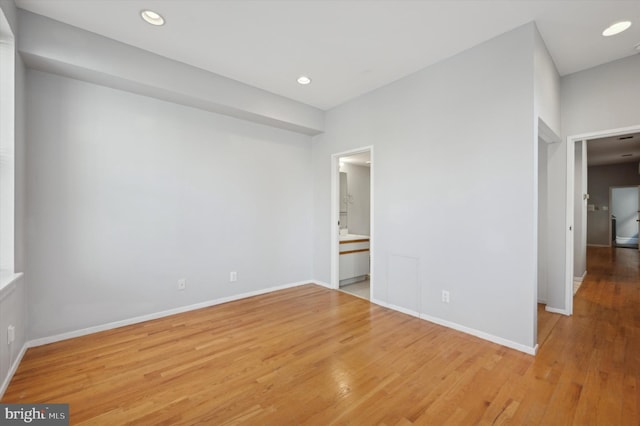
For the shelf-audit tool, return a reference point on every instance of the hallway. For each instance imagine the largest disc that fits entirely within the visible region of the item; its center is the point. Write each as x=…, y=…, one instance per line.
x=593, y=357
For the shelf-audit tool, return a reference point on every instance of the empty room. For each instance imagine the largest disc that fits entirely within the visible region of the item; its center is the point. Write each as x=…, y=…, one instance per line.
x=318, y=212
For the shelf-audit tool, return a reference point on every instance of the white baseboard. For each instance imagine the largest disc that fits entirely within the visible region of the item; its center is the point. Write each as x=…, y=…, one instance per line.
x=109, y=326
x=580, y=279
x=556, y=311
x=13, y=369
x=531, y=350
x=542, y=301
x=481, y=334
x=598, y=245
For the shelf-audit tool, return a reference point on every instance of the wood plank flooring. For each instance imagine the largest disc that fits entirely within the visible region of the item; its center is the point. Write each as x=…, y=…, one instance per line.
x=309, y=355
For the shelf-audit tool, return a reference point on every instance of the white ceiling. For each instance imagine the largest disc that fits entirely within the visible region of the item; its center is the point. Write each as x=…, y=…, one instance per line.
x=347, y=47
x=614, y=150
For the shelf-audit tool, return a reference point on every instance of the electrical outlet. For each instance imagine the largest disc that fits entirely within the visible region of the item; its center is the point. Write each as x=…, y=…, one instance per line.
x=445, y=296
x=11, y=334
x=182, y=284
x=233, y=277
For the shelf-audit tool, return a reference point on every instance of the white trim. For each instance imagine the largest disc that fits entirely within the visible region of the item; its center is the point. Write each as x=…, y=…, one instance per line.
x=598, y=245
x=13, y=369
x=542, y=301
x=571, y=140
x=531, y=350
x=109, y=326
x=559, y=311
x=580, y=279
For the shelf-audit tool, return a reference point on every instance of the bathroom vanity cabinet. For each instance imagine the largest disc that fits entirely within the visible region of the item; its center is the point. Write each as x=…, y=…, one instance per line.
x=354, y=258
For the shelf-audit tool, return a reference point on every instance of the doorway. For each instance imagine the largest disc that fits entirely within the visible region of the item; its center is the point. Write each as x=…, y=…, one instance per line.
x=622, y=137
x=624, y=216
x=352, y=222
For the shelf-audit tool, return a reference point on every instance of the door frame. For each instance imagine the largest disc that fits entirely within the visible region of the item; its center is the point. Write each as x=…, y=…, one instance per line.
x=569, y=250
x=335, y=215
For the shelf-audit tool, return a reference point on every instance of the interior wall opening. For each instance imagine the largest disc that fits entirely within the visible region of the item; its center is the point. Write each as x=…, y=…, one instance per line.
x=352, y=207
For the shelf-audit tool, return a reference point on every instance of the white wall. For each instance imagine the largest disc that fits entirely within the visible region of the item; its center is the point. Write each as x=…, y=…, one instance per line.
x=547, y=86
x=127, y=194
x=358, y=210
x=601, y=98
x=454, y=144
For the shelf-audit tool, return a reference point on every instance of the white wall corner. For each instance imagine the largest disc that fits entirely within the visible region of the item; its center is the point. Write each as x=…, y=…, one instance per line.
x=322, y=283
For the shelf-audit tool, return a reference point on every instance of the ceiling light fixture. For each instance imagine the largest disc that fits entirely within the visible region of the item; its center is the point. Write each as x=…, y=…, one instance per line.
x=152, y=17
x=616, y=28
x=304, y=80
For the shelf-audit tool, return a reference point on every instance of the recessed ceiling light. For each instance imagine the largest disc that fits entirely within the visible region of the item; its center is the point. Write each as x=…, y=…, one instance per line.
x=616, y=28
x=152, y=17
x=304, y=80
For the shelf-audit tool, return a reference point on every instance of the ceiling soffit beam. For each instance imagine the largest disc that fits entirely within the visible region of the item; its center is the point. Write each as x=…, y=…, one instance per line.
x=55, y=47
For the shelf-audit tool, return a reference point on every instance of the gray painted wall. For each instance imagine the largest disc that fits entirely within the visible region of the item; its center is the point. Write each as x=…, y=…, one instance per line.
x=127, y=194
x=475, y=111
x=601, y=178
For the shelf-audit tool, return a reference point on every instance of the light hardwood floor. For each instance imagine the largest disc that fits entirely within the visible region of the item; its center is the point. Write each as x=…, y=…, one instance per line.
x=309, y=355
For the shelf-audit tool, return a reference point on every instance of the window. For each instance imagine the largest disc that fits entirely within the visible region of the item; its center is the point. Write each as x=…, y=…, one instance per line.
x=7, y=151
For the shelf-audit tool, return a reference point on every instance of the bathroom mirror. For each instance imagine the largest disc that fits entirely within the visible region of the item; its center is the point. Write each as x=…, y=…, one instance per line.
x=343, y=200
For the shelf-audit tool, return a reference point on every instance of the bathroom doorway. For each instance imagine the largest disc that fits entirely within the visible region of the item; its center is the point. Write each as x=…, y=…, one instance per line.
x=352, y=233
x=624, y=202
